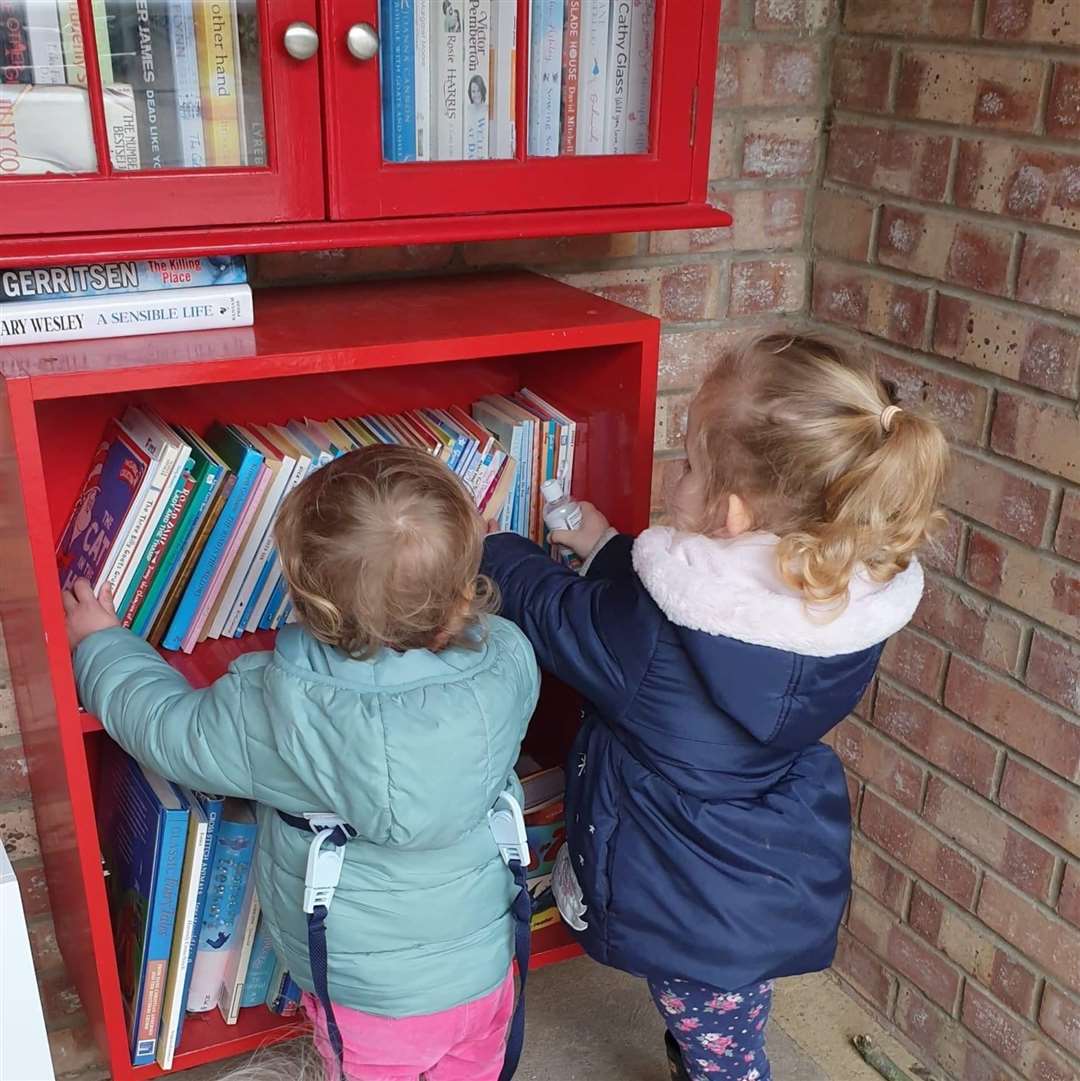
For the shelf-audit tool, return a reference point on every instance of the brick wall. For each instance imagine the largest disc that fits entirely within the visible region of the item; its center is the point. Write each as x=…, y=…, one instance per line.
x=765, y=166
x=947, y=238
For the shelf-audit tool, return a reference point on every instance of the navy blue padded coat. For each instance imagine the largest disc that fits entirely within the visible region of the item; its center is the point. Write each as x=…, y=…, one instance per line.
x=707, y=822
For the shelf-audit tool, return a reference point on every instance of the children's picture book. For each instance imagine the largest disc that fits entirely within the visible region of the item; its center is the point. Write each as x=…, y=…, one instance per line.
x=143, y=828
x=260, y=968
x=283, y=994
x=238, y=956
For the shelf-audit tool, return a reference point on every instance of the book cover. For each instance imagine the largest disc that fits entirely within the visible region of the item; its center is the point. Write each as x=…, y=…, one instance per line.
x=260, y=968
x=228, y=885
x=188, y=97
x=477, y=77
x=46, y=129
x=571, y=72
x=245, y=463
x=74, y=43
x=397, y=60
x=545, y=92
x=114, y=316
x=592, y=93
x=15, y=66
x=449, y=39
x=239, y=955
x=568, y=435
x=283, y=995
x=116, y=475
x=618, y=77
x=422, y=57
x=143, y=830
x=42, y=28
x=639, y=94
x=131, y=276
x=503, y=96
x=173, y=1007
x=216, y=49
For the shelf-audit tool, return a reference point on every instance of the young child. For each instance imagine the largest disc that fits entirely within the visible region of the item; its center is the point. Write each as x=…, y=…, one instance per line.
x=398, y=704
x=708, y=826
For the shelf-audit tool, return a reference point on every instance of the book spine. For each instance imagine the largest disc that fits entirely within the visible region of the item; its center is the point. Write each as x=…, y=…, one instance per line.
x=136, y=518
x=571, y=72
x=101, y=36
x=185, y=60
x=74, y=43
x=122, y=127
x=214, y=807
x=592, y=94
x=232, y=986
x=247, y=52
x=121, y=316
x=618, y=77
x=548, y=100
x=477, y=78
x=504, y=81
x=217, y=81
x=449, y=89
x=639, y=95
x=422, y=78
x=260, y=968
x=46, y=44
x=399, y=88
x=15, y=64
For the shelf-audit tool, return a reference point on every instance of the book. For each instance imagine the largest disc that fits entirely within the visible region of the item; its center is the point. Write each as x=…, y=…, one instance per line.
x=188, y=96
x=477, y=78
x=166, y=311
x=618, y=77
x=102, y=19
x=571, y=73
x=283, y=994
x=74, y=43
x=397, y=64
x=130, y=276
x=260, y=968
x=568, y=435
x=503, y=89
x=545, y=89
x=238, y=955
x=111, y=487
x=184, y=930
x=143, y=829
x=449, y=63
x=228, y=883
x=122, y=127
x=15, y=66
x=250, y=79
x=42, y=27
x=424, y=12
x=216, y=50
x=592, y=92
x=639, y=93
x=46, y=129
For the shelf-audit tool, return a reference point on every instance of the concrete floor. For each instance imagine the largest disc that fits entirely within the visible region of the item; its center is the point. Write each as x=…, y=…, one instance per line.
x=589, y=1023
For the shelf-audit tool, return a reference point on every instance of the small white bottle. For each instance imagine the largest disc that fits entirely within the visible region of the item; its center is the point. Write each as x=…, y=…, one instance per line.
x=560, y=511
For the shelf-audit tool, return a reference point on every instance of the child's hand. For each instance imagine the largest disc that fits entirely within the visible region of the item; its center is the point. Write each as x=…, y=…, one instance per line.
x=84, y=613
x=587, y=536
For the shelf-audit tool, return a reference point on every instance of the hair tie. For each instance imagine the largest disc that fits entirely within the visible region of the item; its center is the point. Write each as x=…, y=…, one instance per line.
x=887, y=415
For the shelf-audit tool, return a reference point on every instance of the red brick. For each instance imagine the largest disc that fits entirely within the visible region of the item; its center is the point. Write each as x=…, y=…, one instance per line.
x=943, y=552
x=1060, y=1019
x=43, y=944
x=1068, y=906
x=689, y=293
x=769, y=73
x=916, y=661
x=984, y=89
x=937, y=737
x=1050, y=273
x=1063, y=109
x=986, y=833
x=1025, y=579
x=14, y=778
x=872, y=303
x=1008, y=343
x=854, y=791
x=777, y=149
x=1047, y=21
x=876, y=761
x=33, y=889
x=666, y=474
x=1053, y=669
x=842, y=225
x=1010, y=714
x=686, y=356
x=671, y=418
x=942, y=18
x=863, y=970
x=18, y=833
x=885, y=882
x=764, y=219
x=983, y=490
x=1040, y=434
x=1067, y=539
x=889, y=159
x=59, y=999
x=767, y=285
x=789, y=14
x=724, y=149
x=728, y=77
x=75, y=1051
x=916, y=847
x=860, y=74
x=1048, y=807
x=637, y=287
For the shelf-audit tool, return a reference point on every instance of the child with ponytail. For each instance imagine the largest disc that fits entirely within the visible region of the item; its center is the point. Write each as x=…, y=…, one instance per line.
x=708, y=825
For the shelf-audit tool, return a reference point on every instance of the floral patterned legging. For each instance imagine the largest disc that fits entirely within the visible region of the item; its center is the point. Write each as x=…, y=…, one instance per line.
x=721, y=1033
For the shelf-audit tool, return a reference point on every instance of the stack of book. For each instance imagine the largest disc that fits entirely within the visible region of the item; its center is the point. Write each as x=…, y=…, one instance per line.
x=180, y=527
x=106, y=300
x=181, y=85
x=545, y=825
x=185, y=915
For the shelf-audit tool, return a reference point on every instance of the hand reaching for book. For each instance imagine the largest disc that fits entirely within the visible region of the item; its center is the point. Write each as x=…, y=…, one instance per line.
x=587, y=536
x=85, y=614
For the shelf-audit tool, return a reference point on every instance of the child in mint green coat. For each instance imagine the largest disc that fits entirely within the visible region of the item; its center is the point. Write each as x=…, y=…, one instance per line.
x=398, y=704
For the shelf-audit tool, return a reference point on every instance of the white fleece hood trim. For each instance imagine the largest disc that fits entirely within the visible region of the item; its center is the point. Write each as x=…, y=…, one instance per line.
x=732, y=588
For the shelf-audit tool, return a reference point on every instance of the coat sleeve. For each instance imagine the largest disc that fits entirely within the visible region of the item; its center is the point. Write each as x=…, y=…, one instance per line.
x=193, y=737
x=597, y=634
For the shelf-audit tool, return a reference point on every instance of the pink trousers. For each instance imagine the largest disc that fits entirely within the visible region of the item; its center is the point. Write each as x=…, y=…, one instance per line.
x=465, y=1043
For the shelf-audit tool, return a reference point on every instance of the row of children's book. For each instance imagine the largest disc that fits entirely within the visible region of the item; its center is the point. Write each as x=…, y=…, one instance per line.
x=181, y=85
x=185, y=914
x=106, y=300
x=180, y=526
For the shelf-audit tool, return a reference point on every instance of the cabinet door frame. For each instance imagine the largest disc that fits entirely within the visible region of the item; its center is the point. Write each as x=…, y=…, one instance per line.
x=290, y=188
x=362, y=186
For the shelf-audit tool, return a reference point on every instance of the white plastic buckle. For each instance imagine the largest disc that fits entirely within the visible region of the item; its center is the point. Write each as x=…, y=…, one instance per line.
x=324, y=862
x=508, y=828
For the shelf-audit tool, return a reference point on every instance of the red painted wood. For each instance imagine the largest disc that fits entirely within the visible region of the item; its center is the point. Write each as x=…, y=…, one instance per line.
x=319, y=352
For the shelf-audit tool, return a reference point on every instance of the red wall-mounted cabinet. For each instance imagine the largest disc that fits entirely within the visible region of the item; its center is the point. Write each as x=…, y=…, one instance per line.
x=302, y=162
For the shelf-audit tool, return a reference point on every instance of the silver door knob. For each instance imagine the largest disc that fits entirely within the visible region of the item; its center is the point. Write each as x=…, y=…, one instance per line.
x=301, y=41
x=362, y=41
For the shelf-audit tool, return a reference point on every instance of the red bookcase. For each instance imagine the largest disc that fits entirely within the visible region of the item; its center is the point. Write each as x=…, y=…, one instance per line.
x=314, y=352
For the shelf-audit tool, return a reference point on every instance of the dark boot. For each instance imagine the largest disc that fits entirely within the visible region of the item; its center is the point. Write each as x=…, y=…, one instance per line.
x=675, y=1059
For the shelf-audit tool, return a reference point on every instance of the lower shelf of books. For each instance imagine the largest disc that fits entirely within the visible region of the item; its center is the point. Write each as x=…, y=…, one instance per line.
x=207, y=1037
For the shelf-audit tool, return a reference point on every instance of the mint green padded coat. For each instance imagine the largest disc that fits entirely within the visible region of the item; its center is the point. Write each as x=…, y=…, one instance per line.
x=410, y=749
